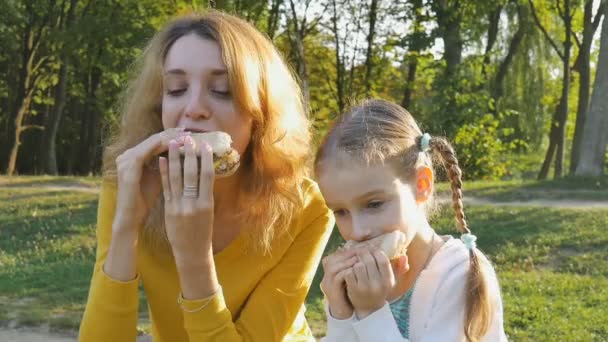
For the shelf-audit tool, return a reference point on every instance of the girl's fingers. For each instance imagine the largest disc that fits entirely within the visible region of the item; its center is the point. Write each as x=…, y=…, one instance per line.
x=350, y=278
x=361, y=272
x=175, y=170
x=339, y=265
x=384, y=267
x=370, y=264
x=164, y=176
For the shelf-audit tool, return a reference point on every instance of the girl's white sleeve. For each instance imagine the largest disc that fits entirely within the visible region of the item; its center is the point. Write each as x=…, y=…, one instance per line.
x=339, y=330
x=380, y=326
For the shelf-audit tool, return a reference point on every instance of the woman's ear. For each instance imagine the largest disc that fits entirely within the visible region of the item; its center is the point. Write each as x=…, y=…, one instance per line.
x=424, y=184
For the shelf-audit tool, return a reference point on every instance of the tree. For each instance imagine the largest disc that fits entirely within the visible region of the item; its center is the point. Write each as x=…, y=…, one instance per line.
x=583, y=66
x=595, y=131
x=558, y=123
x=49, y=158
x=32, y=34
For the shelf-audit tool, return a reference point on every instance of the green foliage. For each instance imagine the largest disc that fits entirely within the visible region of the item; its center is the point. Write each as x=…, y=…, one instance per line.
x=483, y=148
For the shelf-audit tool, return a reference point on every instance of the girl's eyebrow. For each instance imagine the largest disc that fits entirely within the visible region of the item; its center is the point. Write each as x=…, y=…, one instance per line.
x=371, y=193
x=365, y=195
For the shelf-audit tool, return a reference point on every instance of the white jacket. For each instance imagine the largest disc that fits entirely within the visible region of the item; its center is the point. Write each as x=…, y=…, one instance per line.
x=437, y=307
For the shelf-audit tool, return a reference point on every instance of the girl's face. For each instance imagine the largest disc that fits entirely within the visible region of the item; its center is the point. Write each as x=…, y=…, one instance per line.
x=197, y=94
x=368, y=201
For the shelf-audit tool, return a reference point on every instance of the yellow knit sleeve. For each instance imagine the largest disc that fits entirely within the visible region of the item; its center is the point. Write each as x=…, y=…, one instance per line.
x=274, y=304
x=111, y=310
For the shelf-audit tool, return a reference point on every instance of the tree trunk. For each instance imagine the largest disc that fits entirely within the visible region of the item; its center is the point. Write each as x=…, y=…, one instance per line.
x=52, y=125
x=273, y=18
x=563, y=115
x=593, y=146
x=416, y=44
x=373, y=11
x=49, y=155
x=503, y=68
x=493, y=20
x=449, y=18
x=297, y=43
x=583, y=66
x=558, y=122
x=12, y=161
x=339, y=64
x=411, y=78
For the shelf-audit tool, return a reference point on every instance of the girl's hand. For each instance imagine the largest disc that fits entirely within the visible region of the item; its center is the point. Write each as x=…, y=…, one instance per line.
x=369, y=282
x=335, y=268
x=138, y=186
x=188, y=203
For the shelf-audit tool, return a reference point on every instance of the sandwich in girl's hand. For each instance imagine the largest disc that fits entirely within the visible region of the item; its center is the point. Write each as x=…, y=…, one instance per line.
x=393, y=244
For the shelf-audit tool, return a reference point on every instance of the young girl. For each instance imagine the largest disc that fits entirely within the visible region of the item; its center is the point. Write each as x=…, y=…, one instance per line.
x=227, y=259
x=374, y=170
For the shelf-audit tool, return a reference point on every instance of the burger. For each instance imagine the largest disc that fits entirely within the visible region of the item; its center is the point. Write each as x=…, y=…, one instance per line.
x=226, y=160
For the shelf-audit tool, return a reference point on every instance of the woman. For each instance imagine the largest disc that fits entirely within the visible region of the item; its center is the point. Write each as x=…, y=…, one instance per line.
x=225, y=259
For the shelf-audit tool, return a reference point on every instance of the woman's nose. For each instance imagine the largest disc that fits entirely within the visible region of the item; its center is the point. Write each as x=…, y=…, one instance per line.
x=197, y=107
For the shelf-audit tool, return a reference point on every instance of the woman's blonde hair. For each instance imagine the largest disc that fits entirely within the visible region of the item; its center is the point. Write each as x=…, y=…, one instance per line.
x=378, y=131
x=276, y=160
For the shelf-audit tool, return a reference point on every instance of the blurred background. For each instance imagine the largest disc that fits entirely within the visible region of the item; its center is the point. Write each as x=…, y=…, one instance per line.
x=519, y=86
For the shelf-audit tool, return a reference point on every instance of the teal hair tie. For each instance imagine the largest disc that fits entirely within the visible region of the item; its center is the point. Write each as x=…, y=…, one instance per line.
x=469, y=240
x=425, y=142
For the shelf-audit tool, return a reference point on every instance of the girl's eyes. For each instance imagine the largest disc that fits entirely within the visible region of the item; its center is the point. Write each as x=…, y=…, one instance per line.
x=340, y=212
x=374, y=204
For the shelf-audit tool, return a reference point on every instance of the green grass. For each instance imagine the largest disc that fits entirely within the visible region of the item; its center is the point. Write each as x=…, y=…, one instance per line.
x=22, y=181
x=592, y=189
x=552, y=264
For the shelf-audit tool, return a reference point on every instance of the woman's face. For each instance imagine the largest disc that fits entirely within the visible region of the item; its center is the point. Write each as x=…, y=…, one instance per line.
x=197, y=94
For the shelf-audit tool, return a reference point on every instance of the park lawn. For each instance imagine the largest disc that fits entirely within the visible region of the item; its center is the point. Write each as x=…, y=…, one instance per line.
x=552, y=264
x=589, y=189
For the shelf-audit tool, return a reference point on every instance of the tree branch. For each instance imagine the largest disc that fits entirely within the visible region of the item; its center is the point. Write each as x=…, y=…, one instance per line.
x=598, y=16
x=540, y=26
x=560, y=11
x=24, y=128
x=576, y=40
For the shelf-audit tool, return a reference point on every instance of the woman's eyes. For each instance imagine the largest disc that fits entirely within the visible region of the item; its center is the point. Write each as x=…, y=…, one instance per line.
x=225, y=94
x=222, y=93
x=176, y=92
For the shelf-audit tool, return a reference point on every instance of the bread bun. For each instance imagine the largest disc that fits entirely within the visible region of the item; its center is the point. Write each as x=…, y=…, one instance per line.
x=393, y=244
x=225, y=158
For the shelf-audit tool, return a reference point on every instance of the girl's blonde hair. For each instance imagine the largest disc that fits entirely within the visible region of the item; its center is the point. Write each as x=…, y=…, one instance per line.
x=276, y=160
x=377, y=131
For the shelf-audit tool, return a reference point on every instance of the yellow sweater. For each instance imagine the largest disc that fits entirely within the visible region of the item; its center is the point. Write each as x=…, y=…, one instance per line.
x=262, y=297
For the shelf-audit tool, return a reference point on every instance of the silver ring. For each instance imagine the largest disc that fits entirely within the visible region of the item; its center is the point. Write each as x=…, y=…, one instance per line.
x=191, y=191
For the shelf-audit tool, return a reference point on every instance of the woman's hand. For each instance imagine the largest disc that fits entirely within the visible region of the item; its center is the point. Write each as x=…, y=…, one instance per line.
x=189, y=216
x=138, y=186
x=369, y=282
x=335, y=268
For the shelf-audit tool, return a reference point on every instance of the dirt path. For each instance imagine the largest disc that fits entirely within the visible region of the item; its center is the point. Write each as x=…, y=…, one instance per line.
x=32, y=335
x=43, y=335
